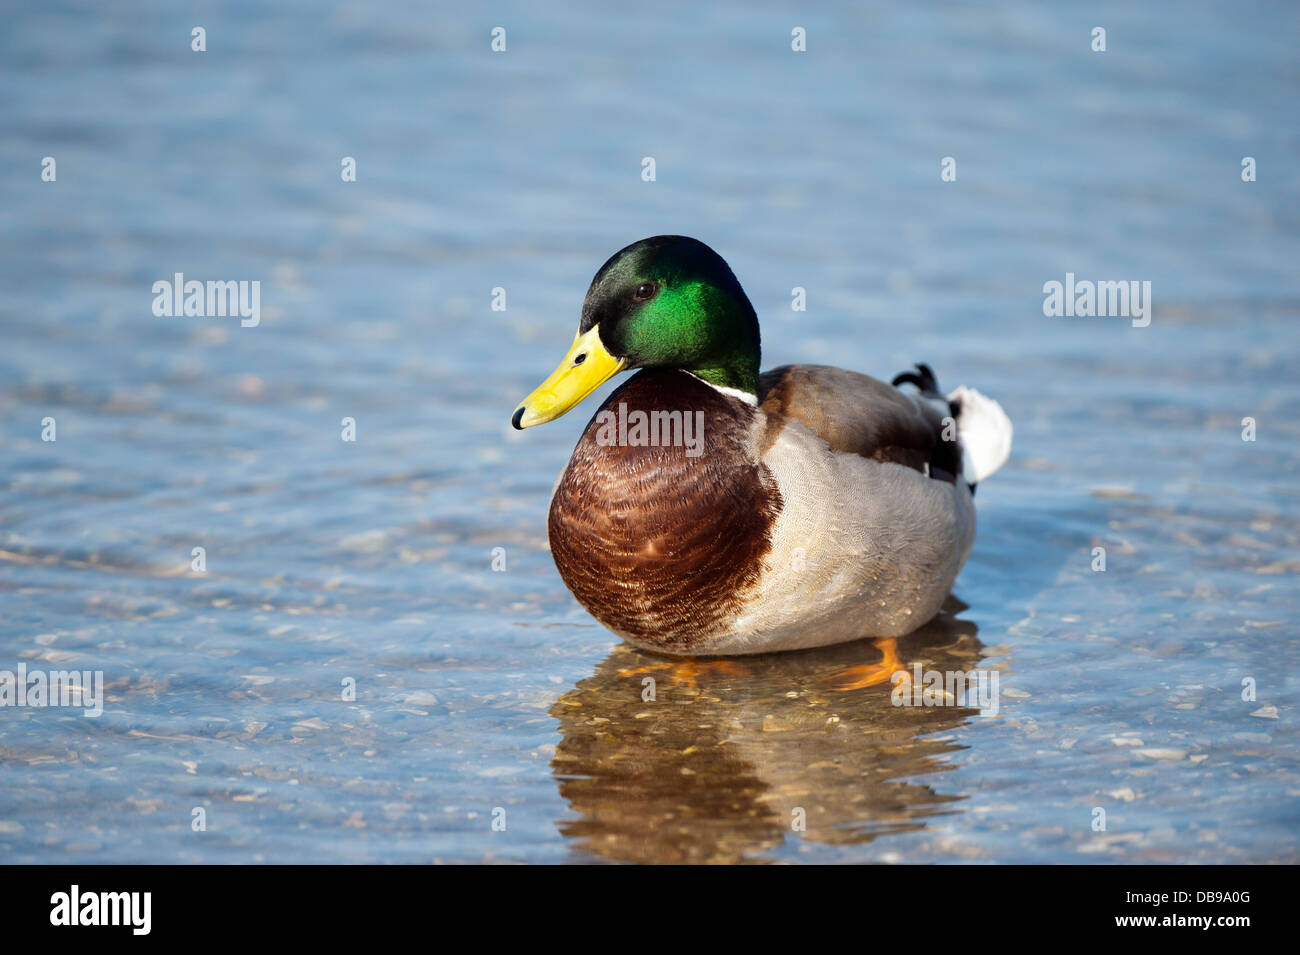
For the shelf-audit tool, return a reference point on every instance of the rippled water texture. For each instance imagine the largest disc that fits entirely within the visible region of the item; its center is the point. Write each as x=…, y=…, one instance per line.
x=371, y=561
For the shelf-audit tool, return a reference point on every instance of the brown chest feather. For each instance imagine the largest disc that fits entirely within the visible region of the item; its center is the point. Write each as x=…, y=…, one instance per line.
x=662, y=542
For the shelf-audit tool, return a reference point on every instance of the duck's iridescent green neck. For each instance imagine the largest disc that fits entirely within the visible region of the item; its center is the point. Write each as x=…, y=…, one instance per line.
x=672, y=302
x=705, y=330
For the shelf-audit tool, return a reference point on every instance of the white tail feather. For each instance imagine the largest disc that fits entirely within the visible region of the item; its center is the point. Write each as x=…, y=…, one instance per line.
x=985, y=432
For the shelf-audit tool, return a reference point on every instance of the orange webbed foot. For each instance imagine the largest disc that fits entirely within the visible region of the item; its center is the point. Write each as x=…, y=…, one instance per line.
x=870, y=674
x=688, y=670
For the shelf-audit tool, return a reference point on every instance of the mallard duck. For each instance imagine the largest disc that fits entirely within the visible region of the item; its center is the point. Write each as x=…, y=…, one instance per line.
x=710, y=509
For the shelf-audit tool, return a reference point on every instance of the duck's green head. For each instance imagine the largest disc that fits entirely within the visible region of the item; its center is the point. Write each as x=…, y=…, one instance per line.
x=664, y=302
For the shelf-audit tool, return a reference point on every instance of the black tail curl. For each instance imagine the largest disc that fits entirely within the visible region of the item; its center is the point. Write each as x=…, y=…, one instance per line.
x=949, y=458
x=924, y=379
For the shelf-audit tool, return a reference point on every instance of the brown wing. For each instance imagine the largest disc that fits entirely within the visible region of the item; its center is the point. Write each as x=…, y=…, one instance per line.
x=859, y=414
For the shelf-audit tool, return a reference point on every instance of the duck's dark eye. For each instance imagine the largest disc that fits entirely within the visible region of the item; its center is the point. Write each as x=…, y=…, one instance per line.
x=644, y=291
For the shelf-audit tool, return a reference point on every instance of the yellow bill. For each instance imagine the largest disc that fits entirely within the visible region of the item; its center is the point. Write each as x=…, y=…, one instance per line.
x=585, y=368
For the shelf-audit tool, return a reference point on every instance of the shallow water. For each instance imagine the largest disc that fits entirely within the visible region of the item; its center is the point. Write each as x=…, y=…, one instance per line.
x=371, y=560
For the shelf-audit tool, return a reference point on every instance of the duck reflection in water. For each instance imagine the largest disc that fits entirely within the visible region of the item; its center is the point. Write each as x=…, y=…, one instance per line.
x=722, y=760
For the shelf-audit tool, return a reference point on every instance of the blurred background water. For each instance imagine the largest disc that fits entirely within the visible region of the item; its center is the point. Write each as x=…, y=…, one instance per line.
x=371, y=561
